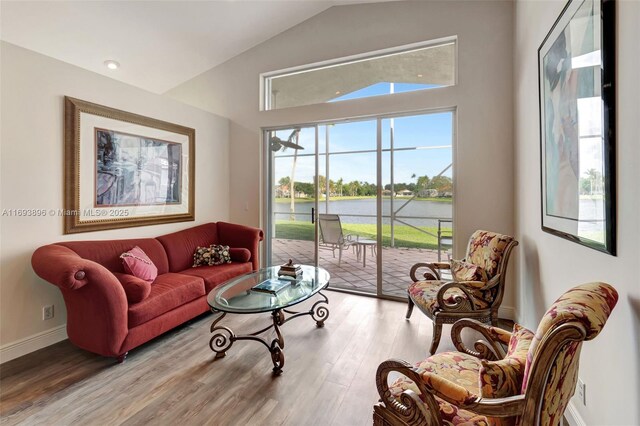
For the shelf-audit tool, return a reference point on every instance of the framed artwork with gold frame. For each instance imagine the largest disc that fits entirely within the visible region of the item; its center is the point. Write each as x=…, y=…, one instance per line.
x=123, y=169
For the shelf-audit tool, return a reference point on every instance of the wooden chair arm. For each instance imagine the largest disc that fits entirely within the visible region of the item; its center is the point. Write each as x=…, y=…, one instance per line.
x=498, y=407
x=411, y=408
x=491, y=349
x=433, y=272
x=494, y=281
x=423, y=409
x=460, y=303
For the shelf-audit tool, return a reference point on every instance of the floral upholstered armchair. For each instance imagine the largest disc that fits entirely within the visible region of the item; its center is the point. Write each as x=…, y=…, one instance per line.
x=477, y=287
x=528, y=384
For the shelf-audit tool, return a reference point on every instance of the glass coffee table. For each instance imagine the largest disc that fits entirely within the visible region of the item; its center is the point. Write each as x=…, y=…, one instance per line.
x=238, y=296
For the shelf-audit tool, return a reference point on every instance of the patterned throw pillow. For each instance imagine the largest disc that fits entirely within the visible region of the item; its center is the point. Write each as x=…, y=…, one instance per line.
x=503, y=378
x=464, y=271
x=220, y=255
x=137, y=263
x=201, y=256
x=212, y=255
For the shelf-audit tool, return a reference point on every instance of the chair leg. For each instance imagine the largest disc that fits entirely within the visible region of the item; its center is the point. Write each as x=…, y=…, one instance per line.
x=409, y=308
x=339, y=255
x=437, y=333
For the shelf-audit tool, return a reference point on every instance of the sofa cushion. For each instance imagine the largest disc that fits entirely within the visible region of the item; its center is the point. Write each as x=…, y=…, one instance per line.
x=168, y=292
x=425, y=293
x=107, y=253
x=240, y=254
x=215, y=275
x=137, y=263
x=135, y=288
x=181, y=245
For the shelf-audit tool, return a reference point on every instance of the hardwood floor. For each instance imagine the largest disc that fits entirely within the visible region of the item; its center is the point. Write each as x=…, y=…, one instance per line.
x=328, y=377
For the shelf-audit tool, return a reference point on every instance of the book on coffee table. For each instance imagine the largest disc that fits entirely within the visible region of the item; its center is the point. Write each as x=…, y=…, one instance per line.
x=272, y=286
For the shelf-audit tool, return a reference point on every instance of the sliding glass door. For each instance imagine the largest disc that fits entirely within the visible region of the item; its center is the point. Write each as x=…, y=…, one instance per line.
x=348, y=204
x=292, y=201
x=417, y=179
x=364, y=199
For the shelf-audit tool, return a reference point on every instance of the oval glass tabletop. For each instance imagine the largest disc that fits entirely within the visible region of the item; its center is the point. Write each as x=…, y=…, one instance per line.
x=240, y=295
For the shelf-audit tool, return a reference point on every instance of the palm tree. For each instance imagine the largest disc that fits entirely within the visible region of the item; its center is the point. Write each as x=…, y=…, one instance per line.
x=595, y=179
x=283, y=182
x=292, y=206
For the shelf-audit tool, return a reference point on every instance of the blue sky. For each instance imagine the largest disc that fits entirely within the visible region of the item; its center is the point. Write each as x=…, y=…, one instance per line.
x=383, y=89
x=427, y=131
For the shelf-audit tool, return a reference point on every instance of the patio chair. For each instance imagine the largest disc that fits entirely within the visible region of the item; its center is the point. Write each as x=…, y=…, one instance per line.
x=477, y=287
x=529, y=384
x=332, y=237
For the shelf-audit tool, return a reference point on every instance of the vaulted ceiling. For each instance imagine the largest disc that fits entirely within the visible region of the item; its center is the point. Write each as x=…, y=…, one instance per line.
x=159, y=44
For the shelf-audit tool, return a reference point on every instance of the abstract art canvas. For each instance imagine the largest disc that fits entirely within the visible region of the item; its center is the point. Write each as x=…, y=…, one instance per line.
x=132, y=170
x=576, y=79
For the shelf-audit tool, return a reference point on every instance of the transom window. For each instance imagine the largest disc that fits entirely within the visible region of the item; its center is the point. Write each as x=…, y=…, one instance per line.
x=420, y=66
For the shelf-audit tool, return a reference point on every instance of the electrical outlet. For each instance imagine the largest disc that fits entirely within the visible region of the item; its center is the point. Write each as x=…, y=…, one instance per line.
x=582, y=392
x=47, y=312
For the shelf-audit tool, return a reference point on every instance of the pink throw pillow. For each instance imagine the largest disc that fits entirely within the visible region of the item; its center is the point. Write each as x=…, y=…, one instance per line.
x=138, y=264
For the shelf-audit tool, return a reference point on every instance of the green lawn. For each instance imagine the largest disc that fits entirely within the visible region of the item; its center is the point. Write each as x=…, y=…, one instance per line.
x=405, y=236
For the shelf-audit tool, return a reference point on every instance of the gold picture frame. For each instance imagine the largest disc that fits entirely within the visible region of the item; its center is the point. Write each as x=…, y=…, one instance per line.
x=123, y=169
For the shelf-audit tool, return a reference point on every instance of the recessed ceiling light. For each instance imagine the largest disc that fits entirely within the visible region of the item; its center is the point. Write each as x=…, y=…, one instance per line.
x=112, y=65
x=419, y=75
x=338, y=92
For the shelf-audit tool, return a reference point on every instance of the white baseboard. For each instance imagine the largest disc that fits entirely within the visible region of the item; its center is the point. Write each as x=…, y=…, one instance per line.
x=508, y=312
x=32, y=343
x=573, y=417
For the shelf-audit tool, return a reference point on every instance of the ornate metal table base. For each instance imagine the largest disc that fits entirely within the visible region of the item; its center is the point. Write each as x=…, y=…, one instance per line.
x=224, y=337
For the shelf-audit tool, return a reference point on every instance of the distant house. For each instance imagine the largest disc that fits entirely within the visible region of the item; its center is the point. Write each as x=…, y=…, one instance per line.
x=387, y=193
x=282, y=191
x=405, y=193
x=428, y=193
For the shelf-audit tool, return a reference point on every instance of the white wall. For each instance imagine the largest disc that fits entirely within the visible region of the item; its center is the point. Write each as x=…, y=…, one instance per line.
x=549, y=265
x=483, y=97
x=33, y=87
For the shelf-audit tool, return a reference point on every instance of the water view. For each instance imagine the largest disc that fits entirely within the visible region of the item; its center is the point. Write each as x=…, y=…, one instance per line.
x=420, y=212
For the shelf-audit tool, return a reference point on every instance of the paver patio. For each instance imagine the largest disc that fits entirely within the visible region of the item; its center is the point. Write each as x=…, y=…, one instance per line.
x=350, y=273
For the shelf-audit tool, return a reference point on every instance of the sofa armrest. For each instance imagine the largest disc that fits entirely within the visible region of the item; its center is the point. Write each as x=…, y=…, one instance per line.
x=241, y=236
x=61, y=266
x=96, y=303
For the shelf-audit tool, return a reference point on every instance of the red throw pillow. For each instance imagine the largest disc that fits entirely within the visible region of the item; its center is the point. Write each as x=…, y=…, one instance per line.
x=138, y=264
x=135, y=288
x=240, y=254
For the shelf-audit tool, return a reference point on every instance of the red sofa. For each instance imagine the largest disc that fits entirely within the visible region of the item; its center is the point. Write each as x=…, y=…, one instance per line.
x=99, y=317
